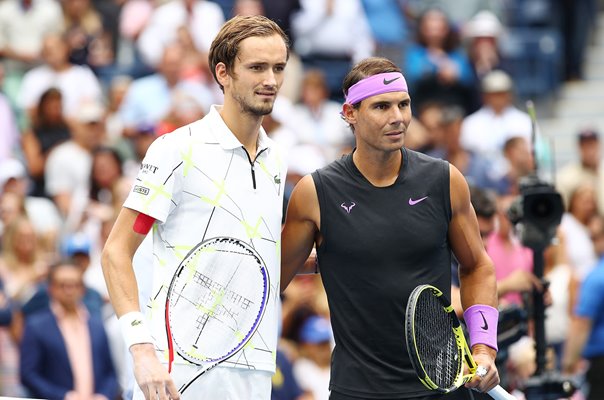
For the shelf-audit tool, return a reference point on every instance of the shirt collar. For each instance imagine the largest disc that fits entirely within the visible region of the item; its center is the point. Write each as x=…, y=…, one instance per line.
x=59, y=312
x=226, y=138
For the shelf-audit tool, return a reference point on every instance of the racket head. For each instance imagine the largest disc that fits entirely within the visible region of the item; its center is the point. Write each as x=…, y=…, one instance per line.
x=435, y=341
x=216, y=300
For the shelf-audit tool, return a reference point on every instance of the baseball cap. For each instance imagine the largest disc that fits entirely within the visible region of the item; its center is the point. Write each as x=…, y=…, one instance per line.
x=588, y=134
x=90, y=111
x=11, y=169
x=78, y=243
x=496, y=81
x=483, y=24
x=315, y=330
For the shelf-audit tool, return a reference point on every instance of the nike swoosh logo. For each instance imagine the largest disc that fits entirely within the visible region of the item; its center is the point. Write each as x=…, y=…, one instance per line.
x=486, y=325
x=414, y=202
x=388, y=82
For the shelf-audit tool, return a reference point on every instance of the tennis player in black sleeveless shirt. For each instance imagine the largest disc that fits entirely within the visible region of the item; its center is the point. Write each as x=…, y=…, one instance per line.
x=385, y=219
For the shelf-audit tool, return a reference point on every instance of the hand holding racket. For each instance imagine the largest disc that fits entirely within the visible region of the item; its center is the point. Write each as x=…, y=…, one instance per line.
x=215, y=303
x=437, y=346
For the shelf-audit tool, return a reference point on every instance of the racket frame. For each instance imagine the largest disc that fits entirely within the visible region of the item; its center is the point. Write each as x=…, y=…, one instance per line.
x=207, y=366
x=463, y=351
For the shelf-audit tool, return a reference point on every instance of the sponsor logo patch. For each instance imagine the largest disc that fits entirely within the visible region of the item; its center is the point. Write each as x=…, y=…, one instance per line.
x=148, y=168
x=141, y=189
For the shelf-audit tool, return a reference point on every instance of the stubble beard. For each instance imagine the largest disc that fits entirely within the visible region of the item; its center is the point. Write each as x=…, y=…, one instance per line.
x=257, y=110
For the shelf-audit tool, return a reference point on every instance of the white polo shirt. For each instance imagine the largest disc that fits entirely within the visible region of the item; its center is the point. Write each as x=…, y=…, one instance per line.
x=198, y=183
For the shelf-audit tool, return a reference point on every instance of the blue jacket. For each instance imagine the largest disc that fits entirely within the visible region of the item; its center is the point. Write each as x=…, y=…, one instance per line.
x=45, y=368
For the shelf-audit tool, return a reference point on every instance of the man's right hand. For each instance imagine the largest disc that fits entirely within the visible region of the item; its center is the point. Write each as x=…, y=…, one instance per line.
x=152, y=377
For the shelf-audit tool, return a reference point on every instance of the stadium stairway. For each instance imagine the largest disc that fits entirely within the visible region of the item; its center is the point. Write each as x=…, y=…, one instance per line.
x=579, y=104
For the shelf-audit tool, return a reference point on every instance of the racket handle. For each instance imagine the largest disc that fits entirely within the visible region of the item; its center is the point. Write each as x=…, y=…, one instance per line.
x=499, y=393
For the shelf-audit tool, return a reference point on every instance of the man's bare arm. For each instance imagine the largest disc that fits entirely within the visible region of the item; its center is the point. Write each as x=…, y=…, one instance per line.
x=476, y=272
x=152, y=377
x=581, y=329
x=117, y=263
x=300, y=229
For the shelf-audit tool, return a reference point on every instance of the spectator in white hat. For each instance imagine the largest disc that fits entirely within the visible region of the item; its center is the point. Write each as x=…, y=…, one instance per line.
x=483, y=33
x=486, y=130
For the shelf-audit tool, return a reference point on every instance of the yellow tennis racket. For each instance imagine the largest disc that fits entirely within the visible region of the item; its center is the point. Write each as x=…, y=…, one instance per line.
x=436, y=343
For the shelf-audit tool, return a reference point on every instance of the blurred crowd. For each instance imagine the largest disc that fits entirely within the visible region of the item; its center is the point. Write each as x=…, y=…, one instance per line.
x=88, y=85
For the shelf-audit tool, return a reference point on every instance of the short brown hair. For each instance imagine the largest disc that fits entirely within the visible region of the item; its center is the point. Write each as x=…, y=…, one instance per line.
x=225, y=46
x=365, y=68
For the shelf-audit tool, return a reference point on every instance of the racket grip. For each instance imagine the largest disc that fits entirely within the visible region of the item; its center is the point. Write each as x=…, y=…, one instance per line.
x=499, y=393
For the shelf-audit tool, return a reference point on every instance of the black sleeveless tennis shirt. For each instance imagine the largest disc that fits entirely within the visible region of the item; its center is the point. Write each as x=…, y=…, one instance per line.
x=378, y=244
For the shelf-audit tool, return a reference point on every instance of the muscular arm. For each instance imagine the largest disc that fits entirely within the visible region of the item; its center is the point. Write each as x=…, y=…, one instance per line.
x=117, y=263
x=300, y=229
x=476, y=270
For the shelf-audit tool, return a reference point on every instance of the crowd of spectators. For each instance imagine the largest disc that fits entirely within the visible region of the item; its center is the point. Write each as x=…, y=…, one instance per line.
x=87, y=86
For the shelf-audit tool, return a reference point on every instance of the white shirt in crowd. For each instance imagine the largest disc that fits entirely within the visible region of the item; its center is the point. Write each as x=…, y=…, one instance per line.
x=24, y=30
x=77, y=84
x=343, y=32
x=579, y=246
x=204, y=23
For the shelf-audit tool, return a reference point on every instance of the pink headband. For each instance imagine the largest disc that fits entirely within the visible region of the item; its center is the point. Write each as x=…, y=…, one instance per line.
x=376, y=84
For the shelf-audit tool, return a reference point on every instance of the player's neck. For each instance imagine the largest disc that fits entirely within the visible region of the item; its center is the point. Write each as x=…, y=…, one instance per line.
x=244, y=126
x=378, y=167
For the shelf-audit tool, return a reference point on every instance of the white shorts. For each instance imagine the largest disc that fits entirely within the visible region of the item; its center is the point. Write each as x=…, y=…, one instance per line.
x=220, y=383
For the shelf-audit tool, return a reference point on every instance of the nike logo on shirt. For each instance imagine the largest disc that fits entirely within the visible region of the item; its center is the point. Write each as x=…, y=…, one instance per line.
x=388, y=82
x=414, y=202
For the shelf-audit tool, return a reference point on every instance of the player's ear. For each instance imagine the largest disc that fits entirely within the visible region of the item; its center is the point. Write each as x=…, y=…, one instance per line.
x=222, y=74
x=349, y=114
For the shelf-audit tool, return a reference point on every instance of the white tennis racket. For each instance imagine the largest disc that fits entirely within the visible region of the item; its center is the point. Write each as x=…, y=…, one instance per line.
x=436, y=343
x=215, y=303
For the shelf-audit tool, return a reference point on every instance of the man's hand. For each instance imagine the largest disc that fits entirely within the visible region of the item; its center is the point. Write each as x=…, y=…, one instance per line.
x=485, y=358
x=152, y=377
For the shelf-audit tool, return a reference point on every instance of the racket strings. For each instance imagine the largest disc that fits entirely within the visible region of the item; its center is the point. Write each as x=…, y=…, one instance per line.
x=214, y=300
x=435, y=341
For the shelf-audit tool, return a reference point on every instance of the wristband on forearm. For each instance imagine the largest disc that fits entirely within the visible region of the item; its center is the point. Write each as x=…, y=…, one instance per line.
x=134, y=330
x=481, y=321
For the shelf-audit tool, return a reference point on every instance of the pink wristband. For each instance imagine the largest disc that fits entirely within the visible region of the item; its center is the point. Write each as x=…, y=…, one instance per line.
x=481, y=321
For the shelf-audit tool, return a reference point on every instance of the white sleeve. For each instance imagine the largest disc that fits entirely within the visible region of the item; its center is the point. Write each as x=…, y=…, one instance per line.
x=364, y=45
x=157, y=187
x=154, y=38
x=57, y=177
x=28, y=94
x=307, y=19
x=205, y=27
x=93, y=86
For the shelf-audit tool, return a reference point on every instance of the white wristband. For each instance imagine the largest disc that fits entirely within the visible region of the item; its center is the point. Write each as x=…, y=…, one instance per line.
x=134, y=330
